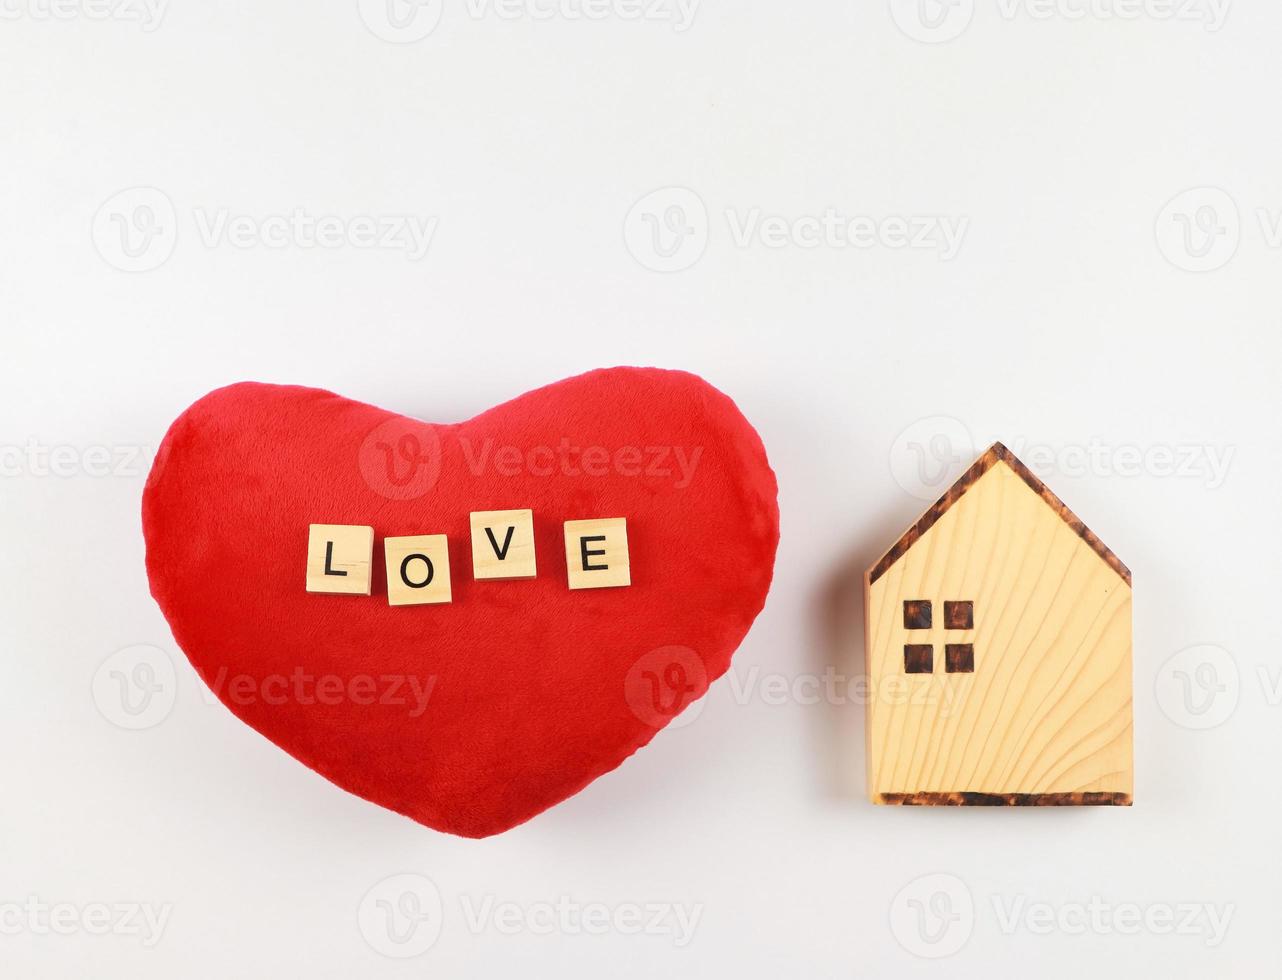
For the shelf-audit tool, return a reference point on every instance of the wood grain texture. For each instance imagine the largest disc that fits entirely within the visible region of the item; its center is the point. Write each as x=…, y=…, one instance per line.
x=996, y=453
x=1045, y=717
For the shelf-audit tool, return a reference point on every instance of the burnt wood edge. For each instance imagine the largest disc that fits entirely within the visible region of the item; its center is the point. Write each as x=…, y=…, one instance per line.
x=1004, y=799
x=967, y=480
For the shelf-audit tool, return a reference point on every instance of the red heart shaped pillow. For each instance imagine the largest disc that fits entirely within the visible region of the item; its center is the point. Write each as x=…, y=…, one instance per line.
x=474, y=715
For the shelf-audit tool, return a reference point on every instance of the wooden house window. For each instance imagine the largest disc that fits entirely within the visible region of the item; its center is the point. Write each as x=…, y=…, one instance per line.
x=919, y=658
x=959, y=658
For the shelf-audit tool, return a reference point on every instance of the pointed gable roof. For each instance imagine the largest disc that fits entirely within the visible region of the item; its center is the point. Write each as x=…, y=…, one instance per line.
x=996, y=453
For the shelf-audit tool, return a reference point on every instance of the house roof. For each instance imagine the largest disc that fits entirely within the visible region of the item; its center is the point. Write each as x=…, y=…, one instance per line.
x=996, y=453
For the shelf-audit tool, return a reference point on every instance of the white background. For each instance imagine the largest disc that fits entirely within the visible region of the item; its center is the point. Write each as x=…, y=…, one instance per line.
x=1119, y=333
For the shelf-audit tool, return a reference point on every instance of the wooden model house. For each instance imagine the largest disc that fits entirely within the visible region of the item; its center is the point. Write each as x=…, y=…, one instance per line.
x=999, y=652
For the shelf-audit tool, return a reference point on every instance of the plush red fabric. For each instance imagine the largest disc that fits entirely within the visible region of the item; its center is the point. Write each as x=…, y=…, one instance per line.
x=474, y=716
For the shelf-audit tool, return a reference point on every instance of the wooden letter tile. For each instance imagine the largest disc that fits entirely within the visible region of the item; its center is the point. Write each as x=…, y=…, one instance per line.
x=503, y=544
x=338, y=558
x=418, y=570
x=596, y=553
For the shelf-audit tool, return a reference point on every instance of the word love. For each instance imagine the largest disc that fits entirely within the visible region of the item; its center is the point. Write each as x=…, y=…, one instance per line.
x=340, y=557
